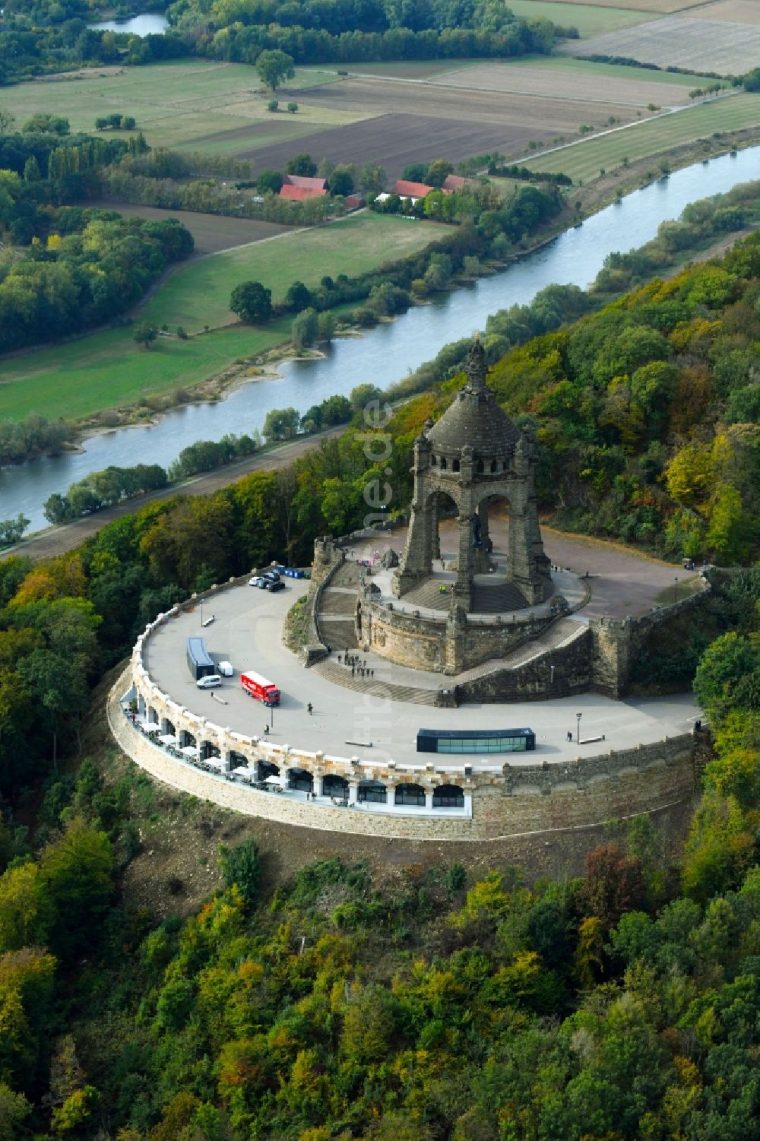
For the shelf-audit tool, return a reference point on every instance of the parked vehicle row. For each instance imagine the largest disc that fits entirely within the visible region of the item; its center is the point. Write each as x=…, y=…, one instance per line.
x=270, y=580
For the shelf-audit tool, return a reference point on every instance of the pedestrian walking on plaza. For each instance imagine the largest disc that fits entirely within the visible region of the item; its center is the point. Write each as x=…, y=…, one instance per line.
x=266, y=730
x=309, y=708
x=569, y=735
x=353, y=670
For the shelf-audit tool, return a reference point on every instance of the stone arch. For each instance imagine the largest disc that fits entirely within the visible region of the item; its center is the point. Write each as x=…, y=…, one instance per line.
x=372, y=792
x=440, y=503
x=448, y=796
x=335, y=786
x=266, y=769
x=409, y=794
x=301, y=780
x=491, y=525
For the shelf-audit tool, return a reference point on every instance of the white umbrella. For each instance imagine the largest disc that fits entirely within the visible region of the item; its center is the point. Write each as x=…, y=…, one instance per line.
x=189, y=750
x=272, y=780
x=167, y=739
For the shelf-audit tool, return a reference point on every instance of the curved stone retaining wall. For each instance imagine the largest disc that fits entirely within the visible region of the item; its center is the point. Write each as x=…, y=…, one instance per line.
x=490, y=802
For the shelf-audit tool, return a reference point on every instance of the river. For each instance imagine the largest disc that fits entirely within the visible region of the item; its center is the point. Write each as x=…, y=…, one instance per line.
x=388, y=352
x=149, y=24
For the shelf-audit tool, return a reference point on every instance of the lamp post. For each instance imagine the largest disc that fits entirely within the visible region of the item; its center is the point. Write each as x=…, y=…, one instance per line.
x=578, y=727
x=270, y=707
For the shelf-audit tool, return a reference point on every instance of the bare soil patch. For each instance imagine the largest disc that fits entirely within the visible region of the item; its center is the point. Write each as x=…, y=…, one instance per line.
x=395, y=141
x=212, y=232
x=700, y=44
x=558, y=83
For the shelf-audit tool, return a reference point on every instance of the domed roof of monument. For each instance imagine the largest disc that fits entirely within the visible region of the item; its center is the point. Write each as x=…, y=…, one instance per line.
x=474, y=417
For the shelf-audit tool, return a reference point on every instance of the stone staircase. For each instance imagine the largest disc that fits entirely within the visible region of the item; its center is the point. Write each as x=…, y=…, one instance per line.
x=487, y=597
x=335, y=619
x=376, y=687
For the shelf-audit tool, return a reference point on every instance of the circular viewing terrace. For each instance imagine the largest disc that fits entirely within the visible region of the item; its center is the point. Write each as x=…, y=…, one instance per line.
x=340, y=751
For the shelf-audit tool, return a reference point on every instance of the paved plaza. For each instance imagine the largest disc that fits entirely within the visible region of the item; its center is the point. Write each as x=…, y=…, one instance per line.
x=246, y=630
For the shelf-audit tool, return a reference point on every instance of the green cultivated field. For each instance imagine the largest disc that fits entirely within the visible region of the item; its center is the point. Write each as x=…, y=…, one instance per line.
x=174, y=103
x=587, y=18
x=108, y=370
x=583, y=161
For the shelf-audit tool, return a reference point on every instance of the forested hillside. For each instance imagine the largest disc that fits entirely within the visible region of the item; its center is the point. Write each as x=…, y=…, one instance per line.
x=425, y=1004
x=413, y=1005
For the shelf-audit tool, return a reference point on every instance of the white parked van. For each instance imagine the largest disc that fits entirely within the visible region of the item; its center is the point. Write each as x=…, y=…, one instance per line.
x=209, y=681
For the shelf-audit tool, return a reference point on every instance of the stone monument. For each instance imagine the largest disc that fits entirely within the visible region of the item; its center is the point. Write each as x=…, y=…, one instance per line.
x=473, y=456
x=450, y=614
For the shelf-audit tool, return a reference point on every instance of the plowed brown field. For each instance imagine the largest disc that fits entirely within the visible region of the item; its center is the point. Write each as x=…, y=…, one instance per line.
x=415, y=122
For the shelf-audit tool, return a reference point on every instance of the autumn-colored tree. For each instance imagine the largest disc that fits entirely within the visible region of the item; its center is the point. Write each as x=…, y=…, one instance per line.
x=613, y=884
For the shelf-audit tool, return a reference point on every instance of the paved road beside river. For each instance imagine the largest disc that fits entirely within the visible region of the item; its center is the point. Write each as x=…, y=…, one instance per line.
x=58, y=540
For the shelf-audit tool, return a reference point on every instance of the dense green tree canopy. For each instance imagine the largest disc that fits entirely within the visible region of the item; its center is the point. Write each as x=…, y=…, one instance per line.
x=251, y=301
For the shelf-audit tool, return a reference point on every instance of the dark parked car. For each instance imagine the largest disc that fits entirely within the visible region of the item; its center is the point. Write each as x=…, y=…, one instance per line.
x=278, y=584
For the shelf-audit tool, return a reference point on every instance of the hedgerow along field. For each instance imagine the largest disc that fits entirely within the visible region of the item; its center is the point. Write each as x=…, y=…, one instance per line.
x=108, y=370
x=585, y=160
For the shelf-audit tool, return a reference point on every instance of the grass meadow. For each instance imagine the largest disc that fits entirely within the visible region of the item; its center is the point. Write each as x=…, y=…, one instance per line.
x=198, y=294
x=108, y=370
x=583, y=161
x=589, y=19
x=175, y=104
